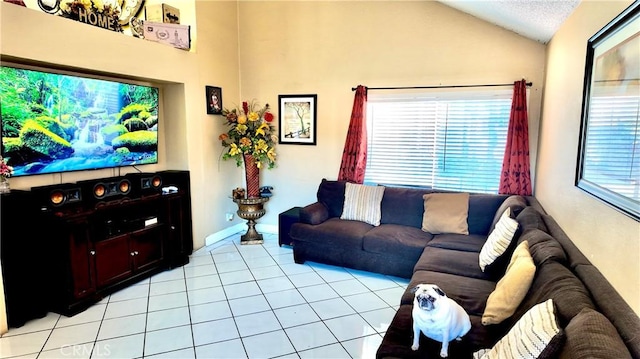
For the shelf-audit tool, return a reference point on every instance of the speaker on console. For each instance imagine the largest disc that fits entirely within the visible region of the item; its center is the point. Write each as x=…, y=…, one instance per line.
x=103, y=190
x=61, y=197
x=145, y=183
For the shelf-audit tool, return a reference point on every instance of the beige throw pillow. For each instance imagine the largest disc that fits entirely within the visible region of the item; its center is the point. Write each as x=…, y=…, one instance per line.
x=499, y=239
x=512, y=288
x=446, y=213
x=362, y=203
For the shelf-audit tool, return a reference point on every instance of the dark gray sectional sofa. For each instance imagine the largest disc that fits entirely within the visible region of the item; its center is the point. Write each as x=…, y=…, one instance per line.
x=596, y=321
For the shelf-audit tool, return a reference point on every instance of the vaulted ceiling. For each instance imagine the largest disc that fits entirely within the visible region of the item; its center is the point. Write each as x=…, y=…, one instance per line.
x=534, y=19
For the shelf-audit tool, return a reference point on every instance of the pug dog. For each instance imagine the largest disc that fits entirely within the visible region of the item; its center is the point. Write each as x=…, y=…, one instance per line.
x=438, y=317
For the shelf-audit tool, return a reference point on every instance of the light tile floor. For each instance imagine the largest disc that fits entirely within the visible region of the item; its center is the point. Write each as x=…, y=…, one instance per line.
x=230, y=301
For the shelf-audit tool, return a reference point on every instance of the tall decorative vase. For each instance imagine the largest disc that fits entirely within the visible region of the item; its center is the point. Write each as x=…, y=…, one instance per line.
x=252, y=176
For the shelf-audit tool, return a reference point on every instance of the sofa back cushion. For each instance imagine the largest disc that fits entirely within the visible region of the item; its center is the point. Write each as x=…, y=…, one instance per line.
x=555, y=281
x=515, y=202
x=543, y=247
x=482, y=208
x=331, y=194
x=403, y=206
x=591, y=335
x=530, y=218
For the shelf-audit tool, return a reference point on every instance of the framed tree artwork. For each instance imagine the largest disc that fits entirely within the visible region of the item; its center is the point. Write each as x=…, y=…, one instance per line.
x=297, y=121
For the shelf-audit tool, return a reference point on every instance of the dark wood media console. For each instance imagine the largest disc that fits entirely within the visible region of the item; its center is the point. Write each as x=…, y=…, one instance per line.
x=87, y=249
x=94, y=252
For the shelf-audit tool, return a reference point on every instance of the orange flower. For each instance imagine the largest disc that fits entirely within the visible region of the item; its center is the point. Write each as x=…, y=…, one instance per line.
x=223, y=137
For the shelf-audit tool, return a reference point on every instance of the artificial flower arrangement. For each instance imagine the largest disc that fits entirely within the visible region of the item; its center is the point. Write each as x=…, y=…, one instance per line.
x=250, y=133
x=5, y=170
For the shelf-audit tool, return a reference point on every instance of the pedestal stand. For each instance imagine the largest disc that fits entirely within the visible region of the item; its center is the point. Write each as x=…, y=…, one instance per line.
x=251, y=209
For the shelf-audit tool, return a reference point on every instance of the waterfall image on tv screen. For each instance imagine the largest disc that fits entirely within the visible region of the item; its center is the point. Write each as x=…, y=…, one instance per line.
x=57, y=123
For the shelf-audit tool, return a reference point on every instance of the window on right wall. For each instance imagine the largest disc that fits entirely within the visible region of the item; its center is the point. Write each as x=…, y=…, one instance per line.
x=609, y=153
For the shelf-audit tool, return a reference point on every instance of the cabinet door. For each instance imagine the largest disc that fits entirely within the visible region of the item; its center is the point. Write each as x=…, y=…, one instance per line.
x=113, y=260
x=180, y=241
x=81, y=259
x=148, y=247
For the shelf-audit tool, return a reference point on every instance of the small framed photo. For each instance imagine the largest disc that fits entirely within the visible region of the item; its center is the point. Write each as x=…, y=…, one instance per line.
x=214, y=100
x=297, y=120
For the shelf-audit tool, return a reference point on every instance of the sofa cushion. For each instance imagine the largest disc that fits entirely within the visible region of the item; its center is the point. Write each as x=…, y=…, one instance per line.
x=397, y=339
x=590, y=335
x=512, y=288
x=446, y=213
x=458, y=242
x=331, y=194
x=530, y=218
x=403, y=206
x=461, y=263
x=482, y=208
x=536, y=335
x=470, y=293
x=554, y=281
x=362, y=203
x=612, y=305
x=515, y=202
x=543, y=247
x=334, y=231
x=400, y=240
x=314, y=213
x=498, y=241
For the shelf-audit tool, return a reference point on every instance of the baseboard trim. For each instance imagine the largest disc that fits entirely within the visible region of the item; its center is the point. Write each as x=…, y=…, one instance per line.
x=240, y=227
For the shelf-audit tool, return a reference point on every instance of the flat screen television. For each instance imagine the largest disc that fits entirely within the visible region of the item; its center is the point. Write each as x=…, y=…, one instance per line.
x=53, y=122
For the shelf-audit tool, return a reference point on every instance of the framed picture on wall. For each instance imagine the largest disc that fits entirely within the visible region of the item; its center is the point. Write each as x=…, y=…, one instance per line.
x=297, y=119
x=214, y=100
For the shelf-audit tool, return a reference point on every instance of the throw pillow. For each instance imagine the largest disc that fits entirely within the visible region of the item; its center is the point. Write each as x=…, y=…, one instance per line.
x=536, y=335
x=591, y=335
x=511, y=289
x=446, y=213
x=498, y=240
x=362, y=203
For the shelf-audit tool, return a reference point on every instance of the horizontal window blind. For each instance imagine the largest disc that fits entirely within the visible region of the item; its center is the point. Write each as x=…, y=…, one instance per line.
x=449, y=141
x=611, y=154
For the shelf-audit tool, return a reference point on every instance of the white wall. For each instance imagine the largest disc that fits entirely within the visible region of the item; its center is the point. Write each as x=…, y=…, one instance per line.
x=610, y=239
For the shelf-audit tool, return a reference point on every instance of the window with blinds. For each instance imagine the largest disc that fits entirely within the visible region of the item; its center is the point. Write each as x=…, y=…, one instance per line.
x=448, y=141
x=610, y=163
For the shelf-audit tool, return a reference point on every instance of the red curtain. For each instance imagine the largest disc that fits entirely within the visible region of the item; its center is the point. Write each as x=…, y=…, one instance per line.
x=354, y=155
x=516, y=176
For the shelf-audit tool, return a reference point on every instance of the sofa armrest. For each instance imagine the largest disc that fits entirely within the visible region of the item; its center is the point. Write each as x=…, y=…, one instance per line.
x=314, y=213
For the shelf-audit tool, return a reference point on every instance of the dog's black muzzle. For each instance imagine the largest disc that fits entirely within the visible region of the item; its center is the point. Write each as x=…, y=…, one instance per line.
x=425, y=301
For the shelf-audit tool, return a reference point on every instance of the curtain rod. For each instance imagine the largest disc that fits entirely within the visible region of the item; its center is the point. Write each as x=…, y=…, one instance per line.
x=529, y=84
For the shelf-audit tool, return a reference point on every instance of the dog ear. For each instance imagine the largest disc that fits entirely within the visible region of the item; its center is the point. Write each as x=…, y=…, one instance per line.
x=439, y=291
x=415, y=289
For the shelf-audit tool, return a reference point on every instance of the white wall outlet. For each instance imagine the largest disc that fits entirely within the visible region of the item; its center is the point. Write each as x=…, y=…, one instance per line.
x=229, y=216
